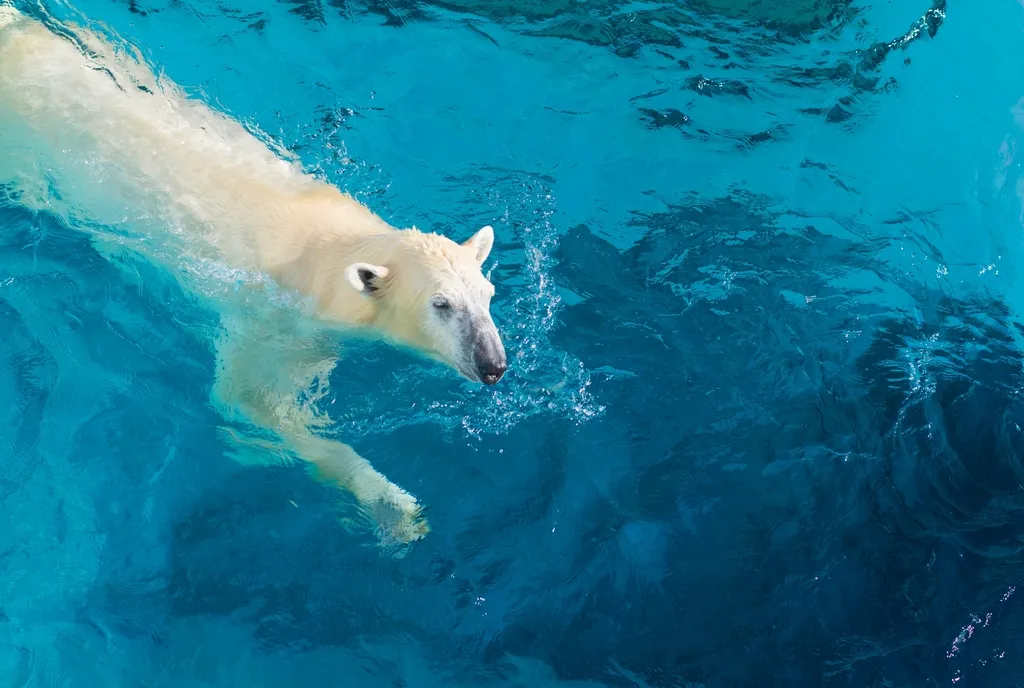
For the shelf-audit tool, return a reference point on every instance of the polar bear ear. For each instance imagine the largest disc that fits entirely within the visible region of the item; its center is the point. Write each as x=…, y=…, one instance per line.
x=481, y=243
x=365, y=277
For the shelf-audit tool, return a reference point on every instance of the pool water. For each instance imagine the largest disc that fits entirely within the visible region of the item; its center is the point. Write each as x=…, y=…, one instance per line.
x=756, y=269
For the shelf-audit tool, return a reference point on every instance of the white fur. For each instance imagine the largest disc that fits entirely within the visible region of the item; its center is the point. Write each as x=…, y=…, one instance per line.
x=108, y=118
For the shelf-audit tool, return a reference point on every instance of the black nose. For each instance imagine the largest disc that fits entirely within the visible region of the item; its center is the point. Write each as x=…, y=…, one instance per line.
x=491, y=371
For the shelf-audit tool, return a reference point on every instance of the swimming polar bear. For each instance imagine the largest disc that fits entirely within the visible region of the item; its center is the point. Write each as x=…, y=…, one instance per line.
x=78, y=99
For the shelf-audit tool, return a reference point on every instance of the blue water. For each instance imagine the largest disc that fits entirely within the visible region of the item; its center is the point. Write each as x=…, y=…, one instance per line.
x=756, y=271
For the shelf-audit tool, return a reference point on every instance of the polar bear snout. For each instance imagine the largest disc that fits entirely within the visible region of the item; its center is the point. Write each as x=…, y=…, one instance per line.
x=489, y=358
x=491, y=370
x=490, y=373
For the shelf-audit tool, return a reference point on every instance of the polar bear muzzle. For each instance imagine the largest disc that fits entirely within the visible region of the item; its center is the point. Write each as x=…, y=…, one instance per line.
x=488, y=351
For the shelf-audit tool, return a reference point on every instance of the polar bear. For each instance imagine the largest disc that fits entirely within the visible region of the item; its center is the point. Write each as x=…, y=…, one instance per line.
x=81, y=103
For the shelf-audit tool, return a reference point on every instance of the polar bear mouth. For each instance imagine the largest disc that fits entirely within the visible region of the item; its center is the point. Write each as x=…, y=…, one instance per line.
x=485, y=378
x=487, y=373
x=468, y=373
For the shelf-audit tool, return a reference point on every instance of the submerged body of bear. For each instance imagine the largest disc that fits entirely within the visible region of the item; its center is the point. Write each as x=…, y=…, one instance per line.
x=215, y=181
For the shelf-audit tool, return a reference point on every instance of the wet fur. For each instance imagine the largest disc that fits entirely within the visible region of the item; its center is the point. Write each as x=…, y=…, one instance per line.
x=227, y=191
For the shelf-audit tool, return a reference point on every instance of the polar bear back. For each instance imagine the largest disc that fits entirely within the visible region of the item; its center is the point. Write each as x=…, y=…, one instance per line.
x=203, y=171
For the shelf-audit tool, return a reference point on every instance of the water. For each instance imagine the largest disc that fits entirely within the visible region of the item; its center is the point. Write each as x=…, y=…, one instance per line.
x=756, y=270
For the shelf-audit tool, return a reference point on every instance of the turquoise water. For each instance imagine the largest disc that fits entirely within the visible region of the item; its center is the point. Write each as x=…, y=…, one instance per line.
x=756, y=272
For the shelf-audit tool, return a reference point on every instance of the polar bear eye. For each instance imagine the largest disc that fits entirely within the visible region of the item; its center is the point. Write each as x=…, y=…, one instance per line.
x=440, y=303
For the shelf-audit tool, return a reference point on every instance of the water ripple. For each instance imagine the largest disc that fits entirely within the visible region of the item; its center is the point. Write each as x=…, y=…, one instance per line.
x=755, y=241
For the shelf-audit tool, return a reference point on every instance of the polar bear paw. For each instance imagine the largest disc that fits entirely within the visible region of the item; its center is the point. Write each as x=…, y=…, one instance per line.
x=399, y=518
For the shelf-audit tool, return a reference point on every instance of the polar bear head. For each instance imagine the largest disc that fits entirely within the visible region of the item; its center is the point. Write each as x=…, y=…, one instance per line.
x=428, y=292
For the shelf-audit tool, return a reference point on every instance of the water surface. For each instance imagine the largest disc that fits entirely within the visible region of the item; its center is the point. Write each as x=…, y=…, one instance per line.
x=756, y=270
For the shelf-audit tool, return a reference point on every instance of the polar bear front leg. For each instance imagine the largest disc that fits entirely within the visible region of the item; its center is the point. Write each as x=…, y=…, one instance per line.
x=262, y=368
x=397, y=513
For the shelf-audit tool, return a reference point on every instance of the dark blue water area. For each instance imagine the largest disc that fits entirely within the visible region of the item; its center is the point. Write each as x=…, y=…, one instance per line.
x=756, y=270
